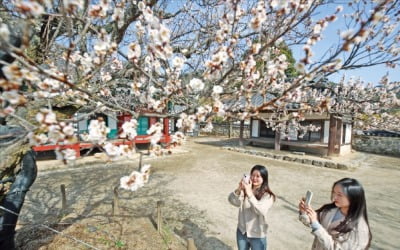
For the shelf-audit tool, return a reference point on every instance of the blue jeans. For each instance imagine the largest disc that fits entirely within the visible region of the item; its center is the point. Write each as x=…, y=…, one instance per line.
x=245, y=243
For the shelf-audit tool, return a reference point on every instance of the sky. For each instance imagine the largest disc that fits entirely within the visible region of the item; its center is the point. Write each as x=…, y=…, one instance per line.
x=330, y=37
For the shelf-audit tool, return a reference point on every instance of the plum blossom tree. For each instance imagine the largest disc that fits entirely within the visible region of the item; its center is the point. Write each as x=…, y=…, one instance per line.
x=139, y=56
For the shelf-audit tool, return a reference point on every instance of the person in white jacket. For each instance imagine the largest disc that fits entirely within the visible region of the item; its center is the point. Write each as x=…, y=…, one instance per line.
x=342, y=224
x=254, y=198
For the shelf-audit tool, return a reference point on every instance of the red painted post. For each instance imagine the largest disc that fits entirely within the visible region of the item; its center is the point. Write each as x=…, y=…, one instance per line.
x=77, y=149
x=166, y=126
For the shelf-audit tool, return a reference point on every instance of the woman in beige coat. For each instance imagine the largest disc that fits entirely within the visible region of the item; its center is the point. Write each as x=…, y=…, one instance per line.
x=254, y=198
x=342, y=224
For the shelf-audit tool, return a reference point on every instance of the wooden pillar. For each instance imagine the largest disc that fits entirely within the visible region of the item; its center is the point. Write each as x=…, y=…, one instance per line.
x=332, y=135
x=166, y=126
x=277, y=145
x=338, y=136
x=251, y=127
x=159, y=216
x=241, y=143
x=115, y=204
x=229, y=129
x=63, y=199
x=140, y=161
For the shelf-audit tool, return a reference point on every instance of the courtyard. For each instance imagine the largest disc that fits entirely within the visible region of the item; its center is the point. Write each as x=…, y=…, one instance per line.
x=194, y=184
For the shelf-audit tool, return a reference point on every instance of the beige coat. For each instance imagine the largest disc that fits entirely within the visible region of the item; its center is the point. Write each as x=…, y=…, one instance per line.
x=252, y=217
x=327, y=238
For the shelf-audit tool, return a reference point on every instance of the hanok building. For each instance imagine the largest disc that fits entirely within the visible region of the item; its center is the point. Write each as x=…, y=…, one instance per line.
x=114, y=122
x=333, y=138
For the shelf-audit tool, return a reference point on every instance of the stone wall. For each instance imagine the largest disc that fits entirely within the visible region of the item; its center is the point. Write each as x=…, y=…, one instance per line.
x=377, y=144
x=226, y=129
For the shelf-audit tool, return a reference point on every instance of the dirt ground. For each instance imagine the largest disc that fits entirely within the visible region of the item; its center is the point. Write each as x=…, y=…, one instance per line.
x=194, y=184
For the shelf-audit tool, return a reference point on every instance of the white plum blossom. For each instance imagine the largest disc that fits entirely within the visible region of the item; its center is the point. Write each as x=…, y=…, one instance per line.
x=4, y=32
x=260, y=16
x=218, y=108
x=37, y=139
x=217, y=89
x=97, y=132
x=68, y=130
x=255, y=48
x=208, y=128
x=145, y=171
x=112, y=150
x=202, y=112
x=141, y=5
x=30, y=7
x=55, y=134
x=67, y=155
x=178, y=62
x=72, y=5
x=178, y=138
x=134, y=52
x=50, y=84
x=186, y=122
x=278, y=3
x=86, y=63
x=99, y=10
x=140, y=30
x=118, y=16
x=220, y=57
x=347, y=34
x=132, y=182
x=13, y=73
x=105, y=76
x=46, y=116
x=155, y=132
x=129, y=129
x=136, y=179
x=164, y=33
x=13, y=97
x=196, y=84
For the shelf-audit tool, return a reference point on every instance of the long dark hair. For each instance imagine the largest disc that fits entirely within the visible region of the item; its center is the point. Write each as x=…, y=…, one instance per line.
x=357, y=208
x=265, y=185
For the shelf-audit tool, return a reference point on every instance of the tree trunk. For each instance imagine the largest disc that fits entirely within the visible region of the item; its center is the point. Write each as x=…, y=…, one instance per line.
x=18, y=172
x=332, y=136
x=14, y=200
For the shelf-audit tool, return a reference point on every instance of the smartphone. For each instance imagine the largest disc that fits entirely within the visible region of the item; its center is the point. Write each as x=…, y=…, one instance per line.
x=246, y=178
x=309, y=195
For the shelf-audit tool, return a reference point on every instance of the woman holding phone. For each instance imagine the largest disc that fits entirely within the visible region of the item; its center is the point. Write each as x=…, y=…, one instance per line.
x=254, y=198
x=342, y=224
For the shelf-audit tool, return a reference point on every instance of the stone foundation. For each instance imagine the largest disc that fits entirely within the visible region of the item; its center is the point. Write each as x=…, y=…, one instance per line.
x=318, y=163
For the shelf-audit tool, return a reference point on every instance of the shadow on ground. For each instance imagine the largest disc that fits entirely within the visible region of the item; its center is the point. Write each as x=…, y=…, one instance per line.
x=89, y=194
